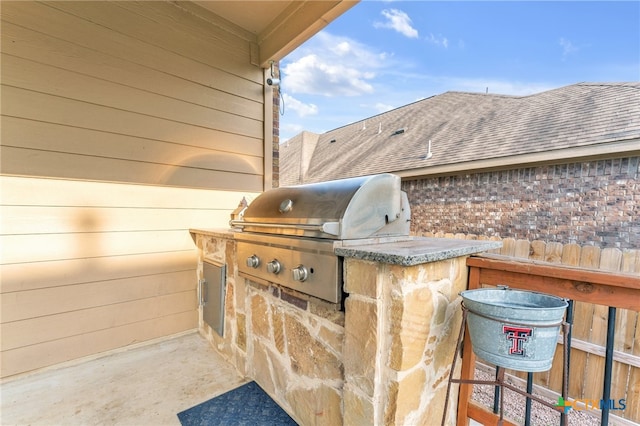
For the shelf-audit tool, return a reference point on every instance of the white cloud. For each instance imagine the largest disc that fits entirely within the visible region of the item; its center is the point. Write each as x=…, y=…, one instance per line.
x=342, y=49
x=438, y=40
x=380, y=107
x=287, y=131
x=299, y=107
x=567, y=47
x=399, y=21
x=333, y=66
x=313, y=75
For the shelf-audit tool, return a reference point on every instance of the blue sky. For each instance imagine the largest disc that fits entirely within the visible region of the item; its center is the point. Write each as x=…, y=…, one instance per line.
x=381, y=55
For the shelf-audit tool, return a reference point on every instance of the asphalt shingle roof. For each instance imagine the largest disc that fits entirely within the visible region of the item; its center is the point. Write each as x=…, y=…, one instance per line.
x=465, y=127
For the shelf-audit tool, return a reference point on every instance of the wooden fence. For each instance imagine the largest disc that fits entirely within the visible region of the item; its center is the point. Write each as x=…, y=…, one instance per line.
x=590, y=325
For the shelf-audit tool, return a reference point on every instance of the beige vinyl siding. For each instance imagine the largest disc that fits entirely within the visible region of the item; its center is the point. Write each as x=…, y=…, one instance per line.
x=86, y=261
x=124, y=124
x=77, y=74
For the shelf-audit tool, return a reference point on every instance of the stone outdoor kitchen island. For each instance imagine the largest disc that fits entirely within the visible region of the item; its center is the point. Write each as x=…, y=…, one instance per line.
x=383, y=360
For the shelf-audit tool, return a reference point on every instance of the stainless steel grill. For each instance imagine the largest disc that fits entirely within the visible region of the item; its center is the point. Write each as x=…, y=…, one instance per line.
x=289, y=234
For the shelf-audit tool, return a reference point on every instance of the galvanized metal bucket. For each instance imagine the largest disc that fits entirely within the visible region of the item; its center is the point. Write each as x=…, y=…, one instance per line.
x=514, y=329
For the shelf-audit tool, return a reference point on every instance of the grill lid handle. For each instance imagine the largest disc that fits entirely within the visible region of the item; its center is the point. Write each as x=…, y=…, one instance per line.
x=332, y=228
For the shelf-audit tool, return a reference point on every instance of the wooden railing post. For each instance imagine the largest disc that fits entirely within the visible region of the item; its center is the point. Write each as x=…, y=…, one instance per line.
x=468, y=360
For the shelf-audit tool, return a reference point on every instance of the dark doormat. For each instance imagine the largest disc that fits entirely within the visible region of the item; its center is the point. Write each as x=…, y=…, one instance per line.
x=245, y=405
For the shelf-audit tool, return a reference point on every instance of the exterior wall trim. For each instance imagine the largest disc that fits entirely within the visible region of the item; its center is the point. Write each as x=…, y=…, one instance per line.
x=268, y=92
x=620, y=149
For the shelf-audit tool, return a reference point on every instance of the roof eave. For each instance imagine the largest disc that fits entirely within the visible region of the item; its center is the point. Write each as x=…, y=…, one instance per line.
x=626, y=148
x=297, y=24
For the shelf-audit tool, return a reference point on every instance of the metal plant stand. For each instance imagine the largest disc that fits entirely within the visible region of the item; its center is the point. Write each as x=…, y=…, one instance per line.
x=499, y=381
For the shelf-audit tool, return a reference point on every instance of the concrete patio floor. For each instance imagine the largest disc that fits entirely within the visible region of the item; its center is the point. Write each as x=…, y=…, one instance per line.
x=147, y=385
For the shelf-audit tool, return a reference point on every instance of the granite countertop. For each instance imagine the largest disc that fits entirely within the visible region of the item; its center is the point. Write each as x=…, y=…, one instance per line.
x=417, y=250
x=215, y=232
x=407, y=251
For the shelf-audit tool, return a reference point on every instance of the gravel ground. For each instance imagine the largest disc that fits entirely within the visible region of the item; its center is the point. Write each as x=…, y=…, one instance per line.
x=514, y=406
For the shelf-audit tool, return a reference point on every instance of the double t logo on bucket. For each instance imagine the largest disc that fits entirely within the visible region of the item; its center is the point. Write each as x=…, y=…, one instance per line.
x=517, y=336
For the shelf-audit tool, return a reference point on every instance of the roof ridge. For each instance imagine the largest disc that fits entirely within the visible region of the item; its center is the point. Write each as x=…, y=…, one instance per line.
x=631, y=84
x=495, y=95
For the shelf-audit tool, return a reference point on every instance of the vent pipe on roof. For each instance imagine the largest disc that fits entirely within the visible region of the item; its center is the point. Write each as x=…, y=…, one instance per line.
x=429, y=153
x=379, y=128
x=364, y=125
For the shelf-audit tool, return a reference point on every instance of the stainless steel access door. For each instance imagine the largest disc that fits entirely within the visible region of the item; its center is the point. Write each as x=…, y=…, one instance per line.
x=212, y=295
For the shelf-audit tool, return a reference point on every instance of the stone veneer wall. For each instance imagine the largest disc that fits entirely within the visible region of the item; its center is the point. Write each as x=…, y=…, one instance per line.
x=397, y=361
x=385, y=361
x=290, y=346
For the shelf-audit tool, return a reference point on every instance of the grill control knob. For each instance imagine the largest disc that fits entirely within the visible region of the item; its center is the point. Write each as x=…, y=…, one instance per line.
x=253, y=261
x=274, y=266
x=286, y=206
x=300, y=273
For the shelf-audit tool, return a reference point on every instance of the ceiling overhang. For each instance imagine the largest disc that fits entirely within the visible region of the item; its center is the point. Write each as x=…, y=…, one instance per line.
x=277, y=27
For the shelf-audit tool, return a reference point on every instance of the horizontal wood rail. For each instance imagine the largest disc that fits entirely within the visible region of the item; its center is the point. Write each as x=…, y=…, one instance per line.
x=485, y=416
x=580, y=284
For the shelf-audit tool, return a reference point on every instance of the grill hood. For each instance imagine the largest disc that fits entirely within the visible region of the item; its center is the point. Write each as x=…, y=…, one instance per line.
x=355, y=208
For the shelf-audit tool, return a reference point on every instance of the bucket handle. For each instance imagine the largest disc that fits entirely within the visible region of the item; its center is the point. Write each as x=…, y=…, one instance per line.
x=502, y=320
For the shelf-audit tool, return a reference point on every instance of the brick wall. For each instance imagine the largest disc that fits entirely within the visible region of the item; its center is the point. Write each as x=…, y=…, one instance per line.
x=592, y=203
